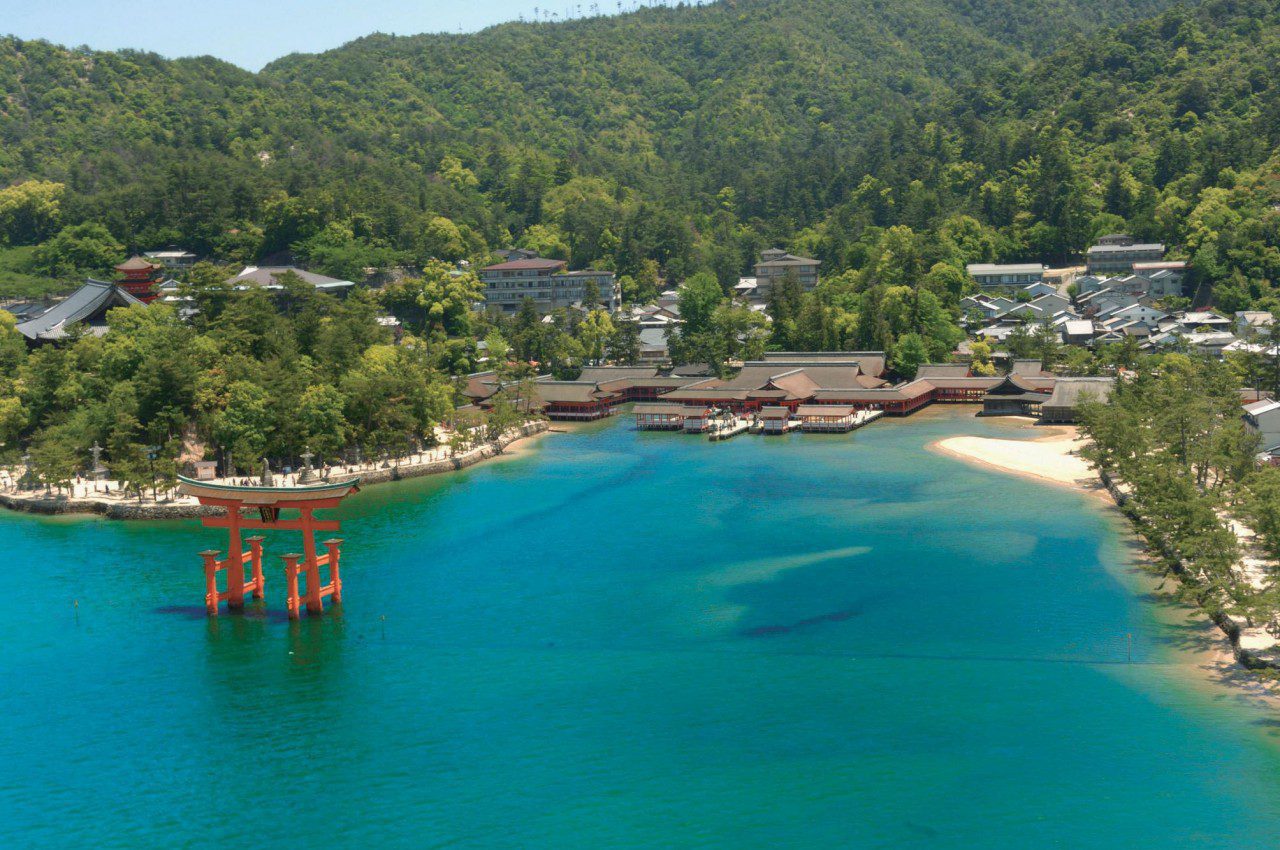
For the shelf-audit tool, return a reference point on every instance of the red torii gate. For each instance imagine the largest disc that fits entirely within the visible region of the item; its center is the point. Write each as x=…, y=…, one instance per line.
x=270, y=501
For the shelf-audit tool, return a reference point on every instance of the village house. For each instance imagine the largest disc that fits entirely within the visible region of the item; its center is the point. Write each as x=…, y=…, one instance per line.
x=1051, y=303
x=509, y=254
x=1195, y=320
x=1086, y=283
x=745, y=288
x=1149, y=316
x=1023, y=312
x=1262, y=418
x=1253, y=322
x=1104, y=301
x=654, y=344
x=1077, y=332
x=985, y=306
x=1035, y=290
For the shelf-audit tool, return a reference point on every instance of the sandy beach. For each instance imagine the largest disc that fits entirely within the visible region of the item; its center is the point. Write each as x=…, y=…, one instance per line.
x=1053, y=457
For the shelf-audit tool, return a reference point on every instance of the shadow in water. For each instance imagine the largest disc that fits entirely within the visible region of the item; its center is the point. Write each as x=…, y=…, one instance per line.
x=832, y=617
x=252, y=611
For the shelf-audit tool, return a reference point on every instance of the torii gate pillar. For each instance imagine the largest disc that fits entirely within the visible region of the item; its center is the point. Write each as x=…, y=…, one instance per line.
x=270, y=501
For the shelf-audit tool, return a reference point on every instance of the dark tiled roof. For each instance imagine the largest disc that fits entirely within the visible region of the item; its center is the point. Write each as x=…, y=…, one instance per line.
x=525, y=265
x=1013, y=387
x=1116, y=249
x=266, y=276
x=613, y=373
x=702, y=392
x=950, y=370
x=570, y=392
x=87, y=303
x=788, y=260
x=1026, y=367
x=824, y=410
x=870, y=362
x=1068, y=392
x=658, y=407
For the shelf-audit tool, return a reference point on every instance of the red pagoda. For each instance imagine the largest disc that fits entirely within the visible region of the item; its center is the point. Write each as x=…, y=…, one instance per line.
x=138, y=277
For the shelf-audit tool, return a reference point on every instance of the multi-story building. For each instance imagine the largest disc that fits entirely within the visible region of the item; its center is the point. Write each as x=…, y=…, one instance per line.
x=547, y=284
x=775, y=264
x=1013, y=274
x=1118, y=253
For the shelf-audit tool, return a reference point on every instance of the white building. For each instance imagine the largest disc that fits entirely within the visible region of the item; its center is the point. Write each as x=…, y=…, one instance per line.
x=1263, y=418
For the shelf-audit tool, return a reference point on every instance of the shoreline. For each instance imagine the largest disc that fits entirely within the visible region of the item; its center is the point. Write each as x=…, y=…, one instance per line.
x=511, y=445
x=1050, y=458
x=1207, y=646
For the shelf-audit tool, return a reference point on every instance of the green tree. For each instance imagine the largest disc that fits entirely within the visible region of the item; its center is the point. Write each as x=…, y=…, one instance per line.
x=697, y=300
x=909, y=355
x=30, y=211
x=87, y=248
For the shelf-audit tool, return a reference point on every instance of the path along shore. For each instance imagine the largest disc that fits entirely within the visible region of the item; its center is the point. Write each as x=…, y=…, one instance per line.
x=1224, y=646
x=86, y=498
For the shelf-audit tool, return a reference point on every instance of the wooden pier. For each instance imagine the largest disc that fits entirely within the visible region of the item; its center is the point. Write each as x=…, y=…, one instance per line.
x=725, y=429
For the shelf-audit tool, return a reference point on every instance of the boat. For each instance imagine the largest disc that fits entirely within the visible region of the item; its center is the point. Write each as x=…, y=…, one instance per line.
x=255, y=495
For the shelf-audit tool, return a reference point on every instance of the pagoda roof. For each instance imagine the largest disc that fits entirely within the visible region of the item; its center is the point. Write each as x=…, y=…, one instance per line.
x=137, y=263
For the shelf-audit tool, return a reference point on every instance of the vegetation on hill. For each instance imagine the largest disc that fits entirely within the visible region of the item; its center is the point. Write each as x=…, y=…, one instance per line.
x=684, y=137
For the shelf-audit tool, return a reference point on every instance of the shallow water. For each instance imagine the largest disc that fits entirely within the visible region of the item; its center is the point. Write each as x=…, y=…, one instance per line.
x=632, y=640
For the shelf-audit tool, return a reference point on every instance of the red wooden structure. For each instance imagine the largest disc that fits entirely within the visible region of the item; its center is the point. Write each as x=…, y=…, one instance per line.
x=139, y=277
x=270, y=501
x=234, y=565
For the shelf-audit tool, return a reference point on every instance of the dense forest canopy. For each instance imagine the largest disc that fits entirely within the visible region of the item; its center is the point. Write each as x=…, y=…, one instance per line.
x=650, y=126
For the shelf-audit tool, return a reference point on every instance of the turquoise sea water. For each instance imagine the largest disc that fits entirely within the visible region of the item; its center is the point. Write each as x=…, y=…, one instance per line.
x=631, y=640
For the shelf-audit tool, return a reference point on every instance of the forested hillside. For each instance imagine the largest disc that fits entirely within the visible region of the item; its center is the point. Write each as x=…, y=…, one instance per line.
x=620, y=136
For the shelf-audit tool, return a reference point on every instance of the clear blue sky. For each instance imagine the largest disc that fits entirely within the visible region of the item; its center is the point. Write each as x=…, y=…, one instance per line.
x=251, y=33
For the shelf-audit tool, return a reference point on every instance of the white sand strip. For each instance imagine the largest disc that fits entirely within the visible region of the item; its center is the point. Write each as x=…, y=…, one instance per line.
x=1053, y=457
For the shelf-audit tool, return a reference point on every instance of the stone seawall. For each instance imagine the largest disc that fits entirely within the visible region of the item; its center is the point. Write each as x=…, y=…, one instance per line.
x=462, y=461
x=152, y=511
x=1225, y=623
x=111, y=510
